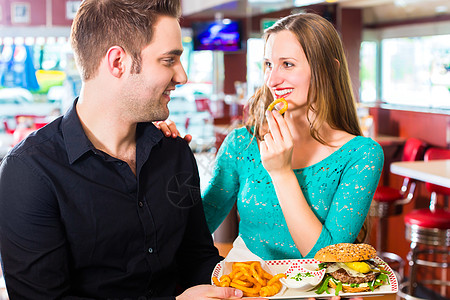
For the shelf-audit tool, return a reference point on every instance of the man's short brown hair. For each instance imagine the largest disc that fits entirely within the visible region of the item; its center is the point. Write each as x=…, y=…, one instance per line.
x=101, y=24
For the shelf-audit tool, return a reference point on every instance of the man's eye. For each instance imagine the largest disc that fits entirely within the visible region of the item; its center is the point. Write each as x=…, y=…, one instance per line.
x=268, y=64
x=169, y=61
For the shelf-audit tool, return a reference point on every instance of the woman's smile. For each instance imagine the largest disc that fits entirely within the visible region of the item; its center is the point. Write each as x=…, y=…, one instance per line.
x=282, y=93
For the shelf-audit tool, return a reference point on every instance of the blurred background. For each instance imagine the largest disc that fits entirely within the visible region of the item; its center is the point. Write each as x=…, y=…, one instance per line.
x=398, y=53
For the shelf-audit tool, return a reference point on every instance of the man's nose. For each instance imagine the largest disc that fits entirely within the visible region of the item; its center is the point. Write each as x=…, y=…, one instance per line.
x=180, y=76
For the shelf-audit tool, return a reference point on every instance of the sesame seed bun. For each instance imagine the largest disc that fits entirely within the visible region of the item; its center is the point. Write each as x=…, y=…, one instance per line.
x=346, y=252
x=349, y=289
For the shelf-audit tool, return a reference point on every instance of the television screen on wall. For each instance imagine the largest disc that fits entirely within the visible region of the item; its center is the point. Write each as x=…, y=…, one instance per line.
x=223, y=35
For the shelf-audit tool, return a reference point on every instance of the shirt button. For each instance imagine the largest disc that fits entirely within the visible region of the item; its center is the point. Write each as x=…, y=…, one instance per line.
x=119, y=163
x=150, y=250
x=141, y=204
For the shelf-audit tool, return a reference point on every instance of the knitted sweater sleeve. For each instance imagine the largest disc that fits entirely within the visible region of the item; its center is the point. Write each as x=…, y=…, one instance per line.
x=351, y=202
x=220, y=195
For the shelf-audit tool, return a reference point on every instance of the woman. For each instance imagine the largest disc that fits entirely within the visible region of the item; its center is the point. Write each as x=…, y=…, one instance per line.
x=304, y=180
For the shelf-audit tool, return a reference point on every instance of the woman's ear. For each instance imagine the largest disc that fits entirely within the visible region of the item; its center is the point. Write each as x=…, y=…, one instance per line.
x=115, y=58
x=338, y=63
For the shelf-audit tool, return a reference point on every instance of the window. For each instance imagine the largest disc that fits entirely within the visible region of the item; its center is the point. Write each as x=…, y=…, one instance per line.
x=408, y=66
x=255, y=58
x=368, y=69
x=416, y=71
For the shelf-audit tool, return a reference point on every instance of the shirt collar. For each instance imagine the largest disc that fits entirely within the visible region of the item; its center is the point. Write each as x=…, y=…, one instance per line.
x=77, y=143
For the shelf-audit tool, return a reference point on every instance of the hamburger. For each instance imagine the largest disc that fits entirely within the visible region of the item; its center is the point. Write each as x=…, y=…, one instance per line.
x=350, y=268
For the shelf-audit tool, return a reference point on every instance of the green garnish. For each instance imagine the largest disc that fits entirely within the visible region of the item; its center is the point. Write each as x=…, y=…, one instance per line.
x=323, y=287
x=300, y=276
x=380, y=271
x=338, y=287
x=322, y=266
x=383, y=278
x=370, y=284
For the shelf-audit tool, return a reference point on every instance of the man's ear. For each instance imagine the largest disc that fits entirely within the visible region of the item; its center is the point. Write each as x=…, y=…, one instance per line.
x=115, y=58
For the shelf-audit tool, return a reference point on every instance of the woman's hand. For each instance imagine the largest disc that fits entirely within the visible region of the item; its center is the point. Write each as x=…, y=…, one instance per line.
x=169, y=128
x=277, y=146
x=208, y=292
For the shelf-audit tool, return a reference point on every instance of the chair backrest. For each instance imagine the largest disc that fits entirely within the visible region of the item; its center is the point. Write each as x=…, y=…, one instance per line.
x=432, y=154
x=7, y=128
x=413, y=150
x=203, y=104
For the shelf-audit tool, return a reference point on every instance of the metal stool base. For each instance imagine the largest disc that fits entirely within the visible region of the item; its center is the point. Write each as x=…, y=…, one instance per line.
x=403, y=289
x=427, y=236
x=425, y=241
x=395, y=262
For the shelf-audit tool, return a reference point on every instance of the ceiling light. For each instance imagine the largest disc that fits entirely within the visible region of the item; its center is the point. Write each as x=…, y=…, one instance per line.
x=441, y=9
x=265, y=1
x=404, y=3
x=306, y=2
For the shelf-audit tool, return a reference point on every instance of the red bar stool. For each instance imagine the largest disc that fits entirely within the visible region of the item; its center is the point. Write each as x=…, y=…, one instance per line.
x=389, y=201
x=428, y=230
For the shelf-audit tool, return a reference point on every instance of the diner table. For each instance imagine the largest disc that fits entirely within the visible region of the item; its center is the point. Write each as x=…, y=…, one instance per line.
x=389, y=140
x=434, y=171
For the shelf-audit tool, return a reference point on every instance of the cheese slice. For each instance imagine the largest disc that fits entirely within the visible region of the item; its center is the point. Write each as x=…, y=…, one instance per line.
x=338, y=265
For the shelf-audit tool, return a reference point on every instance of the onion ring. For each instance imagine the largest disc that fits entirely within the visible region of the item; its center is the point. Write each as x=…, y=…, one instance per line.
x=283, y=109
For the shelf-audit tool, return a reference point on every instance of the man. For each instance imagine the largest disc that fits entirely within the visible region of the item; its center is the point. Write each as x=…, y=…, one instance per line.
x=98, y=204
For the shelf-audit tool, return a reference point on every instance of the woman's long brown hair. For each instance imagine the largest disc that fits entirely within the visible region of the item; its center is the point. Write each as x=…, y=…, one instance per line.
x=330, y=95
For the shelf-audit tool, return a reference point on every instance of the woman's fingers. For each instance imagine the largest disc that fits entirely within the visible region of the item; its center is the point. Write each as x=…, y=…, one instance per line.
x=172, y=128
x=278, y=127
x=273, y=125
x=269, y=142
x=282, y=125
x=263, y=148
x=188, y=138
x=163, y=127
x=169, y=129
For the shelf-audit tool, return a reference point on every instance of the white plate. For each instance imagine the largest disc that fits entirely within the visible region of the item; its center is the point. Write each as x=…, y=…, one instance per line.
x=281, y=266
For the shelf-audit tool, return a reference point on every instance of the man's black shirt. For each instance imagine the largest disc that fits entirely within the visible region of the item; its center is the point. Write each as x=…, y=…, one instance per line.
x=77, y=223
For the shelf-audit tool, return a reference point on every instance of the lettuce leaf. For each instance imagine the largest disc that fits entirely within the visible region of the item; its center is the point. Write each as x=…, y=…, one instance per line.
x=323, y=287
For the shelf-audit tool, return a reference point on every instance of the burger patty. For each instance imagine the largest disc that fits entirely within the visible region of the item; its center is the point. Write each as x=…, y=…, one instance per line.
x=343, y=276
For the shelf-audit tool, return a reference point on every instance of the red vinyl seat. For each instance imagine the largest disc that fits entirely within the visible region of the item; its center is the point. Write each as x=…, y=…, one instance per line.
x=387, y=194
x=433, y=154
x=428, y=229
x=413, y=150
x=426, y=218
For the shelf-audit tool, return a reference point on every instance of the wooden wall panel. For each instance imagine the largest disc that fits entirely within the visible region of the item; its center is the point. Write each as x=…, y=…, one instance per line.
x=433, y=129
x=59, y=13
x=430, y=127
x=350, y=25
x=37, y=12
x=235, y=70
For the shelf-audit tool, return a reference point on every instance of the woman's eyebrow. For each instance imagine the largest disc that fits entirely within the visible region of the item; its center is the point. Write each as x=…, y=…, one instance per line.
x=282, y=58
x=287, y=57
